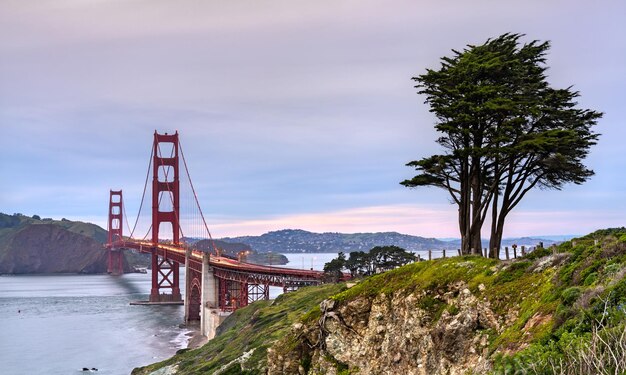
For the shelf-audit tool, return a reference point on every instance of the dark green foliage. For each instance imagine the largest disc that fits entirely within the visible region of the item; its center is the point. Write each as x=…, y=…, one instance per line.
x=12, y=221
x=539, y=252
x=332, y=269
x=433, y=306
x=385, y=258
x=570, y=295
x=513, y=272
x=359, y=263
x=504, y=132
x=378, y=259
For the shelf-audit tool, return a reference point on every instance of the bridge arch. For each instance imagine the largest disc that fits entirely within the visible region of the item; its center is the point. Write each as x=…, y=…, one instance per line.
x=195, y=298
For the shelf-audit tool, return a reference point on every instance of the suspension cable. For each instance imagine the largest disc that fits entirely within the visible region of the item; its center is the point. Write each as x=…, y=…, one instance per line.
x=126, y=216
x=145, y=186
x=196, y=198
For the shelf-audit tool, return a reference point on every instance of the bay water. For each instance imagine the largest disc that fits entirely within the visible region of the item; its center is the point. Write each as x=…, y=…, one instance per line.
x=60, y=324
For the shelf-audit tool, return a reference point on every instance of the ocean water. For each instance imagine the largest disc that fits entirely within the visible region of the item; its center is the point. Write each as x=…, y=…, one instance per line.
x=58, y=324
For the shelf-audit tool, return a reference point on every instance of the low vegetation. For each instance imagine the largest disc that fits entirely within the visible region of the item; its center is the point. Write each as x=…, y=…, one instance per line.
x=587, y=302
x=252, y=329
x=561, y=311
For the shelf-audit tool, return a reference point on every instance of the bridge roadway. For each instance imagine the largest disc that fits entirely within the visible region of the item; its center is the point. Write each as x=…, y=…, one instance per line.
x=227, y=268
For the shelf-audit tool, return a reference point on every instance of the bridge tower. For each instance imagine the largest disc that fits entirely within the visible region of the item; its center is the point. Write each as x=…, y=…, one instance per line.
x=165, y=192
x=115, y=255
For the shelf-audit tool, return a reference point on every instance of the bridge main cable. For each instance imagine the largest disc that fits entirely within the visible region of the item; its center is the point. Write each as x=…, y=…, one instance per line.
x=196, y=199
x=143, y=196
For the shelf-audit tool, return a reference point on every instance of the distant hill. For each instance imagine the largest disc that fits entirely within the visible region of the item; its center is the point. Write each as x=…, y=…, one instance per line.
x=301, y=241
x=520, y=241
x=234, y=249
x=34, y=245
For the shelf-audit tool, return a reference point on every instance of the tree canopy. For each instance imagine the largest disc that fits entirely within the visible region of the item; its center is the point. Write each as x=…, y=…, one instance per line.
x=505, y=131
x=378, y=259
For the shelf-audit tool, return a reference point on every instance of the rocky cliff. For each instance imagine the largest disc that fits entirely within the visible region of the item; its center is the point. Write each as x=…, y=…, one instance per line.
x=558, y=310
x=30, y=245
x=47, y=248
x=436, y=328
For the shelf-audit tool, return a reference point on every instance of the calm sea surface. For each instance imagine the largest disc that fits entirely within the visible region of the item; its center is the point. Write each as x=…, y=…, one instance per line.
x=58, y=324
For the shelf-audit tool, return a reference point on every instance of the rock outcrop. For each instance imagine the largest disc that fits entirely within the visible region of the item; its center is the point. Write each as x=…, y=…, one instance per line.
x=394, y=334
x=547, y=312
x=49, y=248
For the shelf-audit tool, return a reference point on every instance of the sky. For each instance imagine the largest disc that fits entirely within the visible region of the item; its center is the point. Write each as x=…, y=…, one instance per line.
x=291, y=114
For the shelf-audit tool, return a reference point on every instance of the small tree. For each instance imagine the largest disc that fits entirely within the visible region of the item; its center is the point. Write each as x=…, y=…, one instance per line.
x=333, y=269
x=504, y=130
x=386, y=258
x=359, y=263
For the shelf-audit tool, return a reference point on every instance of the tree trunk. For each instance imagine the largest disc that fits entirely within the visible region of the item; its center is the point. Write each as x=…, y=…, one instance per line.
x=477, y=192
x=494, y=225
x=499, y=231
x=464, y=210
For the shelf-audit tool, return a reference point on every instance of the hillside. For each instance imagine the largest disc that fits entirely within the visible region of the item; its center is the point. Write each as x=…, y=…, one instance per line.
x=553, y=311
x=235, y=249
x=301, y=241
x=33, y=245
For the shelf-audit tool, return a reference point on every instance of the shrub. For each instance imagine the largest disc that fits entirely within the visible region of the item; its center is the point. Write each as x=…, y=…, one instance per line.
x=570, y=295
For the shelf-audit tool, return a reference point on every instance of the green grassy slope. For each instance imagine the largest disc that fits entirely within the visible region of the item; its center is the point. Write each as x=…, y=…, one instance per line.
x=256, y=326
x=552, y=303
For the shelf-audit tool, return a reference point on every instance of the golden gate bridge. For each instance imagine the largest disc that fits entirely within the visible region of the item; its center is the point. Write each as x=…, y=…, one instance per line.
x=215, y=285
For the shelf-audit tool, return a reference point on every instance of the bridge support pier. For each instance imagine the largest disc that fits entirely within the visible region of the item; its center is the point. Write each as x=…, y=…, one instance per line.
x=210, y=314
x=115, y=266
x=164, y=276
x=193, y=291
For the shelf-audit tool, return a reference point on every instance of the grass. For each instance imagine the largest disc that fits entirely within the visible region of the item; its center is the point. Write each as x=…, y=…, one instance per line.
x=586, y=297
x=258, y=326
x=544, y=303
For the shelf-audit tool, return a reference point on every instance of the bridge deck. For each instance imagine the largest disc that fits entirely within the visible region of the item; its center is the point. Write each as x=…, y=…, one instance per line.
x=222, y=264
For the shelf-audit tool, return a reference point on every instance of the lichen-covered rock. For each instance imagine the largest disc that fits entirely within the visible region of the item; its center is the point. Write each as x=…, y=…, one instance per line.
x=414, y=333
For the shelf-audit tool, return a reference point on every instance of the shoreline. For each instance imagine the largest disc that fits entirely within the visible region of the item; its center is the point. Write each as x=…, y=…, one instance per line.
x=194, y=338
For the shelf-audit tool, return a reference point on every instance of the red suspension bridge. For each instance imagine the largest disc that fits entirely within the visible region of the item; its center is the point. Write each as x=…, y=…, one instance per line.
x=215, y=284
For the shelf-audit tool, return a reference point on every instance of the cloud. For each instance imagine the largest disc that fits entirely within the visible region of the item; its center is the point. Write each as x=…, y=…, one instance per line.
x=289, y=112
x=420, y=220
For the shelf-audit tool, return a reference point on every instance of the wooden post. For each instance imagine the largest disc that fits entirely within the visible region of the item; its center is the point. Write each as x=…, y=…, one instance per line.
x=514, y=253
x=430, y=255
x=506, y=251
x=458, y=251
x=444, y=253
x=418, y=257
x=523, y=250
